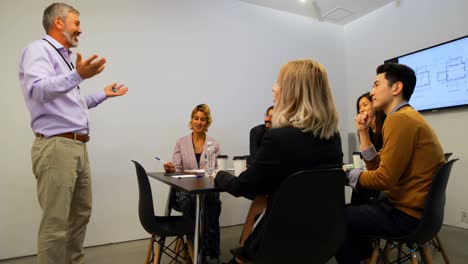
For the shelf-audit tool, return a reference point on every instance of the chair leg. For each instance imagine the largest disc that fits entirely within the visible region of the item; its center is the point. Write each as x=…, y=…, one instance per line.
x=427, y=253
x=375, y=253
x=158, y=251
x=178, y=245
x=188, y=259
x=190, y=248
x=400, y=252
x=149, y=250
x=184, y=251
x=442, y=250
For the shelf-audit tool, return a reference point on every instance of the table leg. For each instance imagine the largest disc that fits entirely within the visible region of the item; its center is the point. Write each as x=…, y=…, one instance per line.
x=168, y=207
x=199, y=224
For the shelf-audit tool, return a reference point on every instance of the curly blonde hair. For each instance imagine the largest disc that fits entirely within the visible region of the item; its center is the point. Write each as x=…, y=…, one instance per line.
x=204, y=109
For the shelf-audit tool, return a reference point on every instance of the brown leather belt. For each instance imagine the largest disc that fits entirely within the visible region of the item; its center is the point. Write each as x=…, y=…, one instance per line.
x=80, y=137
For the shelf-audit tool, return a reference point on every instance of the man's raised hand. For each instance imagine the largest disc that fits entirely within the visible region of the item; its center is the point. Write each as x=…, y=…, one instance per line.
x=90, y=67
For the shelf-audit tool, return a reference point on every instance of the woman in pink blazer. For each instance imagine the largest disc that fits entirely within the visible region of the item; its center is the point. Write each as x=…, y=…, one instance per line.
x=189, y=154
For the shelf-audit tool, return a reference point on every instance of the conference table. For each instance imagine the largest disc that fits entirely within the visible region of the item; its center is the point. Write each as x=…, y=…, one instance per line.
x=198, y=186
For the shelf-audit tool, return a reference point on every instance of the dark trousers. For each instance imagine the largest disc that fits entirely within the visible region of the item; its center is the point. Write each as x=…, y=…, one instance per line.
x=364, y=222
x=185, y=203
x=364, y=196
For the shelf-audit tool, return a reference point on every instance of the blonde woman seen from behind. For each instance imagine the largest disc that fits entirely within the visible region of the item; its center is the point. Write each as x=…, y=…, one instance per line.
x=305, y=103
x=304, y=135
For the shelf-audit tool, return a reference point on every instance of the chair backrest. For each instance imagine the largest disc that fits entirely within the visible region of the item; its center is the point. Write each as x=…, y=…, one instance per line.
x=433, y=215
x=145, y=202
x=447, y=155
x=305, y=222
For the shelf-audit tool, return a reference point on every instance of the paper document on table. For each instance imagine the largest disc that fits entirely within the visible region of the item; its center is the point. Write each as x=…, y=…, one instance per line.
x=196, y=171
x=186, y=176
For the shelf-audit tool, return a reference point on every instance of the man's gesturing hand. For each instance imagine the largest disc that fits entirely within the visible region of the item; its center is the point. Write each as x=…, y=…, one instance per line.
x=90, y=67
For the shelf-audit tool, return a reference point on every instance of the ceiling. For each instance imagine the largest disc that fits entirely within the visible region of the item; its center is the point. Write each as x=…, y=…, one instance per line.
x=335, y=11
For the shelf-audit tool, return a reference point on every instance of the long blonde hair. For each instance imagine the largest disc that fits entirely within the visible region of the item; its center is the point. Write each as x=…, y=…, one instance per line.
x=305, y=99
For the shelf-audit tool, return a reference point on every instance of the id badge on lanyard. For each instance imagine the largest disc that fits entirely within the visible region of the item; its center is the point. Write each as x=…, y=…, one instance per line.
x=77, y=92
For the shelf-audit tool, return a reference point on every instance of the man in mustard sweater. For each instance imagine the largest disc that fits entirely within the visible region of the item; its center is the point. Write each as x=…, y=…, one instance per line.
x=403, y=169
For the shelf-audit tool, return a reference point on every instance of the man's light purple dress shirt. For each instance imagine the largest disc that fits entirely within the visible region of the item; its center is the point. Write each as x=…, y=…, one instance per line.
x=50, y=90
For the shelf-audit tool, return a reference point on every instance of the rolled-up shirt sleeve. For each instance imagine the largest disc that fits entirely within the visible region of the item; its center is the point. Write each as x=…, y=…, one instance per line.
x=369, y=153
x=353, y=177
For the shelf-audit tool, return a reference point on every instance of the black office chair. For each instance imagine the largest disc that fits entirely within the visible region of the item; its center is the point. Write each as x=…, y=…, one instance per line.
x=160, y=227
x=436, y=243
x=305, y=222
x=428, y=228
x=447, y=155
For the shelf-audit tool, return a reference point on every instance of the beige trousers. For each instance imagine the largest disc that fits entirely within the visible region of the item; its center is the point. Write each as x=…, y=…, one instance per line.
x=61, y=167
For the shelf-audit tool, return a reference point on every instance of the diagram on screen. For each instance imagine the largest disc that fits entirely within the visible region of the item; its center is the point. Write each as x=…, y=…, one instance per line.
x=455, y=69
x=440, y=80
x=441, y=75
x=422, y=77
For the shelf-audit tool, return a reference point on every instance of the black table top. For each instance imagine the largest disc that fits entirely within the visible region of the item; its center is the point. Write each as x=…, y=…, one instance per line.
x=189, y=185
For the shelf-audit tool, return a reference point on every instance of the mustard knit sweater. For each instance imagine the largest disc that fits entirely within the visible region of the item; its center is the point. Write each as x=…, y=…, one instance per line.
x=410, y=157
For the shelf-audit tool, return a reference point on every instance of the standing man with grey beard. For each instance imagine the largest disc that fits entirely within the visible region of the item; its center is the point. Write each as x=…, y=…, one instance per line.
x=60, y=121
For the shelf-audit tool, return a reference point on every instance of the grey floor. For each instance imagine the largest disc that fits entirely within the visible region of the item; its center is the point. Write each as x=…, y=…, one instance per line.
x=454, y=239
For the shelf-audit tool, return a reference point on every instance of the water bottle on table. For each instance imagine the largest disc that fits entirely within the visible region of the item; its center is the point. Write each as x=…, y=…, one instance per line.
x=210, y=159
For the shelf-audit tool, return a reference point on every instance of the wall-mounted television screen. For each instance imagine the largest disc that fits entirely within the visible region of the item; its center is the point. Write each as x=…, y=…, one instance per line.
x=441, y=75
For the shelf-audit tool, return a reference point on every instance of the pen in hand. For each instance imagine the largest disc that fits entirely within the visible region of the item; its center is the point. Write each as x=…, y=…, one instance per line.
x=168, y=166
x=160, y=159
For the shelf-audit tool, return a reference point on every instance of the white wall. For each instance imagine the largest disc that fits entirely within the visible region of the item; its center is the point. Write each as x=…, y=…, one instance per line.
x=172, y=55
x=392, y=31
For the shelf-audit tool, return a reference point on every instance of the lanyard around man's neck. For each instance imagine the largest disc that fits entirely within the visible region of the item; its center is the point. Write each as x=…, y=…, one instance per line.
x=70, y=66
